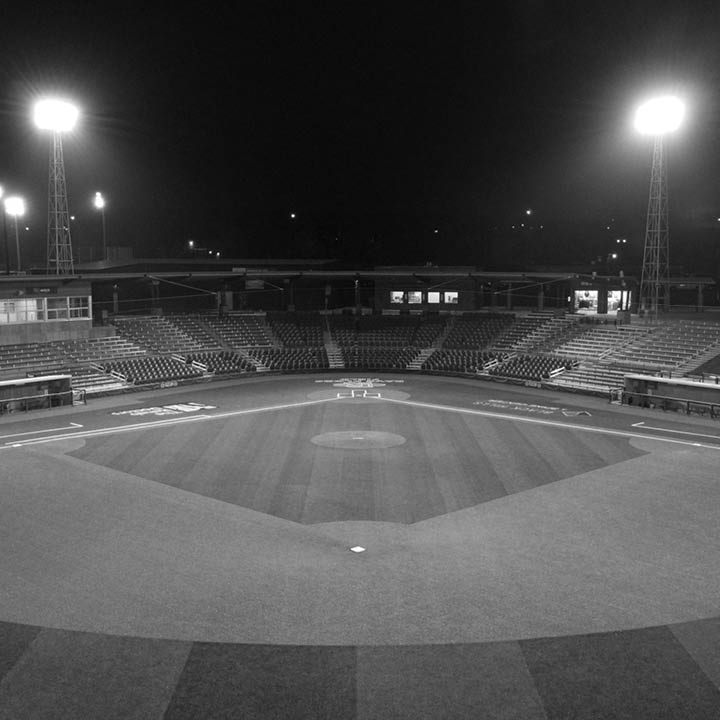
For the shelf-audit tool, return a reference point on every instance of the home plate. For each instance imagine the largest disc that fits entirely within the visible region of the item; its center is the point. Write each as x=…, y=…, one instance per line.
x=357, y=549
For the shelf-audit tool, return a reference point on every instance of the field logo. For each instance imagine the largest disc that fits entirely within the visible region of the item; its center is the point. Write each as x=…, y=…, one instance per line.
x=359, y=383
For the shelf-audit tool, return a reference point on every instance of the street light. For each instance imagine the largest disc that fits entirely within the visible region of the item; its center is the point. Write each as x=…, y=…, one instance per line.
x=58, y=116
x=15, y=206
x=656, y=118
x=99, y=202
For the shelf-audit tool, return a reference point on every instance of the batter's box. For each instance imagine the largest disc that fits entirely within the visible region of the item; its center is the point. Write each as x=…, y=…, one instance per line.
x=358, y=394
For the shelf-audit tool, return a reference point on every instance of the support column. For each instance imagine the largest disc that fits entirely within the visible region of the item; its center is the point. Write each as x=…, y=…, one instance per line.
x=155, y=294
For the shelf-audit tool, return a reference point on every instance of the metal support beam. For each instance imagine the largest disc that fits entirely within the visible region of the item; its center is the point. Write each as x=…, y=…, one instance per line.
x=59, y=244
x=655, y=279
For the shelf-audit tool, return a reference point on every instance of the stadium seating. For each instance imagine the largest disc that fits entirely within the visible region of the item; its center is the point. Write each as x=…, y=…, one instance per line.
x=565, y=352
x=156, y=369
x=223, y=362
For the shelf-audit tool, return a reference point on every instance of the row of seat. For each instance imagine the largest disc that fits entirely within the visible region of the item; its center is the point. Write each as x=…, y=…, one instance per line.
x=223, y=362
x=152, y=369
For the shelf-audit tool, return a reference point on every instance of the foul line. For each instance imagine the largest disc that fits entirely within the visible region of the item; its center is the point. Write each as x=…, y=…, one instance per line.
x=156, y=424
x=413, y=403
x=37, y=432
x=553, y=423
x=678, y=432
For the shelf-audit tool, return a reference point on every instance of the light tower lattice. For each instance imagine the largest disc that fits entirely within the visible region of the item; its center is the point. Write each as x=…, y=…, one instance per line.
x=655, y=278
x=656, y=118
x=59, y=243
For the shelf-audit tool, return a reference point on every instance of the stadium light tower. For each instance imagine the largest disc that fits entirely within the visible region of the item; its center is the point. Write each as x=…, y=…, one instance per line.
x=15, y=207
x=657, y=117
x=58, y=116
x=99, y=203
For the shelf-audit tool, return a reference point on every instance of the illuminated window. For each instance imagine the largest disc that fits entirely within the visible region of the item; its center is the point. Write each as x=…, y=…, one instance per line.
x=451, y=297
x=17, y=311
x=433, y=297
x=415, y=297
x=397, y=296
x=41, y=309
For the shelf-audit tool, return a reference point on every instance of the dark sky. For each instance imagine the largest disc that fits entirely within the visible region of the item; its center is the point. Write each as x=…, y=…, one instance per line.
x=376, y=123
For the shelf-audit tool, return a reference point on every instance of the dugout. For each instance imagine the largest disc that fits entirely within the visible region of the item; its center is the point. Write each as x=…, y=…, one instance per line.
x=35, y=393
x=668, y=393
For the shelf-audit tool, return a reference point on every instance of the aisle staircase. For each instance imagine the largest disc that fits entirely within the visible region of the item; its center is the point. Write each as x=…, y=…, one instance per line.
x=417, y=362
x=336, y=361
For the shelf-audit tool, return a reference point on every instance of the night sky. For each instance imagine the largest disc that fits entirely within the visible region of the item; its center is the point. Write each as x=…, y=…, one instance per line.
x=396, y=132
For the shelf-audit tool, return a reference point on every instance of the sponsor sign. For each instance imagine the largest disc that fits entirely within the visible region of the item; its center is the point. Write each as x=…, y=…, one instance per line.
x=359, y=382
x=518, y=406
x=529, y=408
x=164, y=410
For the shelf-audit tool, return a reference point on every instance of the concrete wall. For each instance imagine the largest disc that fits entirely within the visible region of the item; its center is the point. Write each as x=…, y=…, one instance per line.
x=38, y=332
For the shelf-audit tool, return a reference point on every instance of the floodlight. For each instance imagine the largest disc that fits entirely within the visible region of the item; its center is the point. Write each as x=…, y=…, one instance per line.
x=15, y=206
x=56, y=115
x=659, y=116
x=99, y=201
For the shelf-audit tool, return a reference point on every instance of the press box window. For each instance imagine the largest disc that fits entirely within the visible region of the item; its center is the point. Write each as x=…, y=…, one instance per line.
x=433, y=297
x=451, y=297
x=79, y=307
x=57, y=308
x=415, y=297
x=397, y=296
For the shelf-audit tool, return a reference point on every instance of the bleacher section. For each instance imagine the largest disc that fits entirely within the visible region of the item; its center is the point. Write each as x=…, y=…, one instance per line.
x=297, y=330
x=224, y=362
x=476, y=330
x=157, y=334
x=462, y=360
x=518, y=335
x=672, y=346
x=31, y=358
x=157, y=369
x=309, y=358
x=533, y=368
x=384, y=342
x=197, y=329
x=564, y=352
x=607, y=353
x=240, y=331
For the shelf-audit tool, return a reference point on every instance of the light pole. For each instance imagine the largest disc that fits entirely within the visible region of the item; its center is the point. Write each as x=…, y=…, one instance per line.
x=5, y=237
x=99, y=202
x=58, y=116
x=15, y=206
x=657, y=118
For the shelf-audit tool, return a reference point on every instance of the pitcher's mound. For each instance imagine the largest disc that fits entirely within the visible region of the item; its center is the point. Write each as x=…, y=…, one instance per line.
x=358, y=440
